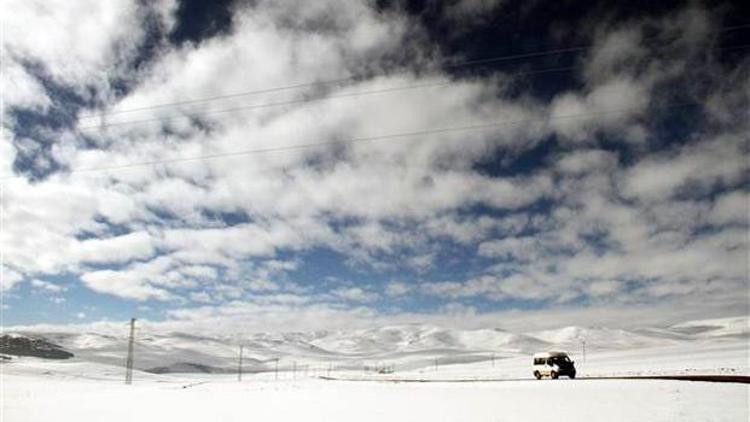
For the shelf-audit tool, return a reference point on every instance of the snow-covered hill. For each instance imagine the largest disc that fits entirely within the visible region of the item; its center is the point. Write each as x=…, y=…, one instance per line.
x=190, y=375
x=411, y=346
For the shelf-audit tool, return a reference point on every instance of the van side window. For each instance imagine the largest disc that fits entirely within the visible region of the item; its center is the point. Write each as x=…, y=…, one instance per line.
x=539, y=361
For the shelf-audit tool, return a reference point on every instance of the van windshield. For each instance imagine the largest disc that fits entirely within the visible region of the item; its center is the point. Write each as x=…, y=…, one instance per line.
x=560, y=360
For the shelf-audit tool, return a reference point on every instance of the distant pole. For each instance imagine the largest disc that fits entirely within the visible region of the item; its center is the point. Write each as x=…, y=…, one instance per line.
x=584, y=351
x=436, y=364
x=129, y=361
x=239, y=366
x=329, y=368
x=493, y=360
x=294, y=369
x=276, y=370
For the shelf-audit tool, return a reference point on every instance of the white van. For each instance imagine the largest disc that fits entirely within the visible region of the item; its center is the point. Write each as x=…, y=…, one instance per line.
x=553, y=364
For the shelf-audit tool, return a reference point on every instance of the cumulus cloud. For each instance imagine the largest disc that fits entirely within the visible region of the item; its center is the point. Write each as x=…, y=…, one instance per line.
x=397, y=288
x=355, y=294
x=47, y=286
x=129, y=285
x=10, y=278
x=81, y=45
x=614, y=216
x=692, y=167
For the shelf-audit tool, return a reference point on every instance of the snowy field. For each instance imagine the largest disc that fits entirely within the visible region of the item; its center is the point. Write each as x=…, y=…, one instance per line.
x=494, y=368
x=54, y=399
x=42, y=391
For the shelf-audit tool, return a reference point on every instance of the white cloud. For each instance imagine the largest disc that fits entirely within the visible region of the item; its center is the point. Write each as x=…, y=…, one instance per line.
x=20, y=89
x=613, y=107
x=731, y=208
x=693, y=167
x=47, y=286
x=520, y=249
x=201, y=297
x=136, y=245
x=203, y=272
x=397, y=288
x=124, y=284
x=616, y=51
x=581, y=227
x=355, y=294
x=585, y=161
x=145, y=280
x=261, y=285
x=79, y=43
x=605, y=287
x=10, y=278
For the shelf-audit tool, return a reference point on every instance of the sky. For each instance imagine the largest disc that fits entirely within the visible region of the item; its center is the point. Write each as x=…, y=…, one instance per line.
x=296, y=165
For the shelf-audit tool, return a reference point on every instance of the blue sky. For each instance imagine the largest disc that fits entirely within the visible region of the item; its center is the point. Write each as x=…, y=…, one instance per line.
x=295, y=165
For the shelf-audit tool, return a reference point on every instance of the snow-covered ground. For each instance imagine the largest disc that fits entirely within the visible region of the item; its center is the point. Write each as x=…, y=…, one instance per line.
x=60, y=395
x=90, y=387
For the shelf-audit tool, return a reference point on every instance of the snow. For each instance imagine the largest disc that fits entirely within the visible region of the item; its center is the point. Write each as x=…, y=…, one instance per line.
x=494, y=367
x=54, y=397
x=414, y=347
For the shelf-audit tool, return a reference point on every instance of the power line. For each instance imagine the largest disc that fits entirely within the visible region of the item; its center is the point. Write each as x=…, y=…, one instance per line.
x=446, y=64
x=455, y=129
x=99, y=128
x=221, y=97
x=319, y=83
x=265, y=105
x=186, y=115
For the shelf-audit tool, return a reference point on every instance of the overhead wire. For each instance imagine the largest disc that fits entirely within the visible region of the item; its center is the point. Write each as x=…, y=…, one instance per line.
x=325, y=83
x=445, y=64
x=187, y=114
x=355, y=94
x=455, y=129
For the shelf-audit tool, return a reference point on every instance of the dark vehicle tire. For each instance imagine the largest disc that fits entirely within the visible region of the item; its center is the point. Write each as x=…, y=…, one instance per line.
x=537, y=375
x=572, y=376
x=553, y=375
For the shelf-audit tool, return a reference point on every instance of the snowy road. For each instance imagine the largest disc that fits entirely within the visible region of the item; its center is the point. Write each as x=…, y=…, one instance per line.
x=738, y=379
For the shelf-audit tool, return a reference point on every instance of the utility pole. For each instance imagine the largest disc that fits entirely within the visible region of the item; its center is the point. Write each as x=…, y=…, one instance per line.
x=493, y=360
x=276, y=370
x=129, y=361
x=584, y=351
x=239, y=366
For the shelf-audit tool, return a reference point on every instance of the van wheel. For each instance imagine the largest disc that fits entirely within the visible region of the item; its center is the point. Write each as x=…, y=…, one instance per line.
x=572, y=376
x=537, y=375
x=553, y=375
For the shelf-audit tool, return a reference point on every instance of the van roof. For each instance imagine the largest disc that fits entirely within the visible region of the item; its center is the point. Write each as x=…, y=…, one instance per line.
x=549, y=354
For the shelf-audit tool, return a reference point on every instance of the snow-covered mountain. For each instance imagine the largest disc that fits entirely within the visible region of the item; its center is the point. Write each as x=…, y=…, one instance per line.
x=409, y=345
